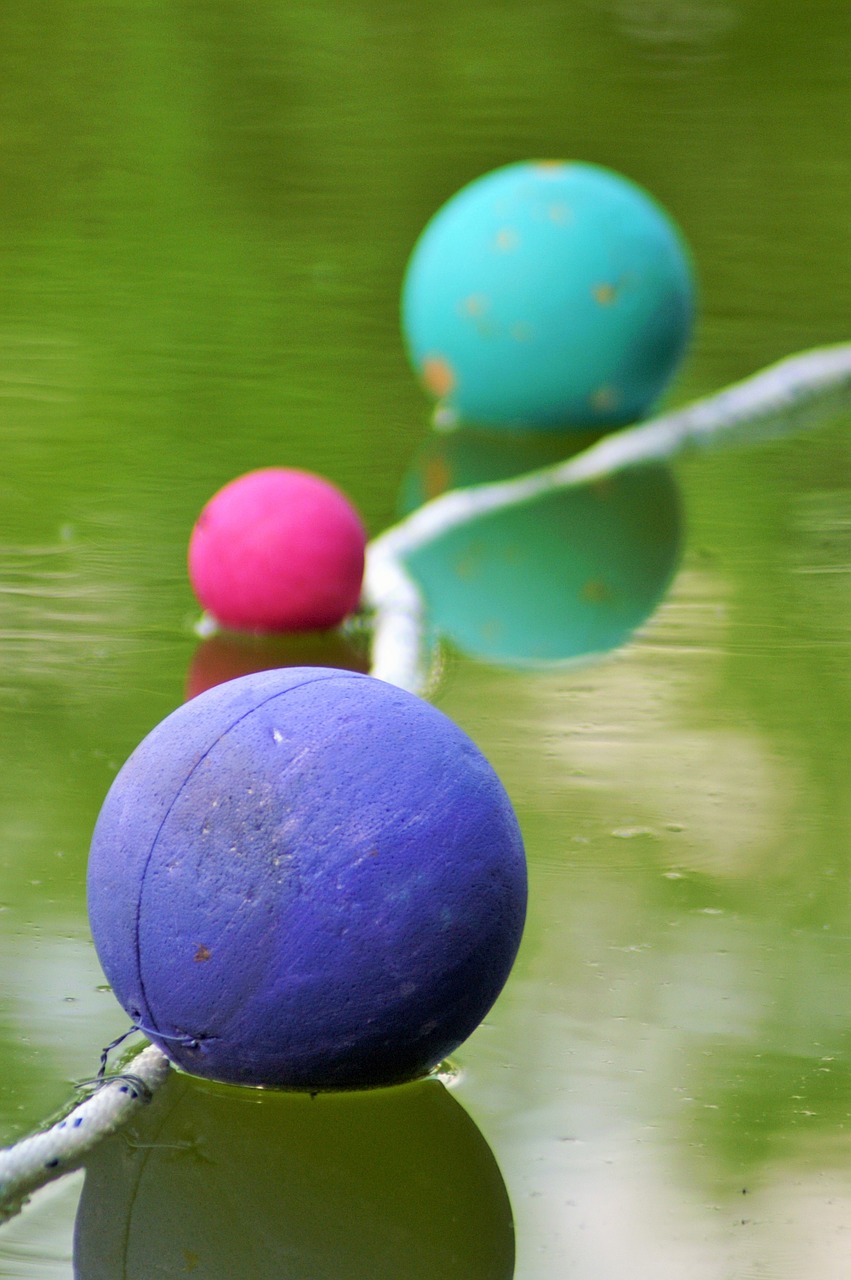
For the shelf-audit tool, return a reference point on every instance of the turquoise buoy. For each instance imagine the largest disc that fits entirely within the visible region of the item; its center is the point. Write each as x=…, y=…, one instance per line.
x=553, y=295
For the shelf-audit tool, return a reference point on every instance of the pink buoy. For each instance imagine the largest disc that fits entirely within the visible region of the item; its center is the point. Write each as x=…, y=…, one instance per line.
x=278, y=550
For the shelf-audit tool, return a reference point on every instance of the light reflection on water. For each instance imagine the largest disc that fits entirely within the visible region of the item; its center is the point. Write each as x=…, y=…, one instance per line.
x=205, y=281
x=38, y=1245
x=681, y=995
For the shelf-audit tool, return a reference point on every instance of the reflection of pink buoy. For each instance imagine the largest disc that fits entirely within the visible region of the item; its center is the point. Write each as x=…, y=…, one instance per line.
x=278, y=550
x=230, y=654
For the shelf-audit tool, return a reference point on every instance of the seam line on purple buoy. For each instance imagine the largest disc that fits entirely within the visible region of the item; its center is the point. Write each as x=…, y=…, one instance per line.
x=138, y=923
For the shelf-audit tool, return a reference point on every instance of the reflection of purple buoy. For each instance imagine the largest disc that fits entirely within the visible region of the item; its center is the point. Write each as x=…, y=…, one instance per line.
x=224, y=1183
x=278, y=550
x=230, y=654
x=307, y=878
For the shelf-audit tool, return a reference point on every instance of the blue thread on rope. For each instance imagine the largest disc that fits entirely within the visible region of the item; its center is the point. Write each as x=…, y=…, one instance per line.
x=190, y=1042
x=137, y=1087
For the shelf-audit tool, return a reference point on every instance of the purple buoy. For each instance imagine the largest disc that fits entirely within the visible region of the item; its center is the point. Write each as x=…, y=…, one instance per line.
x=307, y=878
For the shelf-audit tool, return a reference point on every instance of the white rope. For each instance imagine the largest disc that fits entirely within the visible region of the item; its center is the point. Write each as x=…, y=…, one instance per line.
x=37, y=1160
x=399, y=651
x=800, y=392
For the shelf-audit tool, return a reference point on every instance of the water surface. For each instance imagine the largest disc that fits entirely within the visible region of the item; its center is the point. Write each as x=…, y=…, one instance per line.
x=206, y=212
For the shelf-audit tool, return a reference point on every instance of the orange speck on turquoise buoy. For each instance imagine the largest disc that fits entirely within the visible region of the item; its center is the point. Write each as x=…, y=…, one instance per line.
x=595, y=592
x=550, y=168
x=475, y=309
x=469, y=565
x=605, y=294
x=438, y=375
x=522, y=331
x=604, y=399
x=506, y=239
x=475, y=305
x=560, y=213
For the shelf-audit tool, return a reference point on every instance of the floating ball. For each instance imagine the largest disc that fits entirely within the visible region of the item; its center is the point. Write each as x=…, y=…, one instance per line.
x=307, y=878
x=278, y=550
x=551, y=295
x=571, y=574
x=223, y=1183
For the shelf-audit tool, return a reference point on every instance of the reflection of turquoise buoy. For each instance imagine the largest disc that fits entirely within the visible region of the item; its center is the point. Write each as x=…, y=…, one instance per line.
x=478, y=457
x=218, y=1183
x=548, y=294
x=570, y=574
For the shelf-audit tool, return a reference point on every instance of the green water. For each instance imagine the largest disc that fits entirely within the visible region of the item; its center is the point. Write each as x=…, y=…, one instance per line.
x=205, y=212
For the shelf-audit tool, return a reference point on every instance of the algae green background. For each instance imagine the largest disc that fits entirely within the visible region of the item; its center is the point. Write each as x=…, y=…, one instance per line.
x=205, y=211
